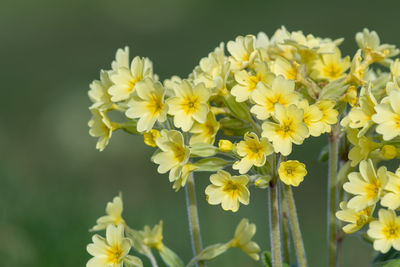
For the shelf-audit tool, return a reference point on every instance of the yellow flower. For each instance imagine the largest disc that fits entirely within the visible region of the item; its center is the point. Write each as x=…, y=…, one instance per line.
x=360, y=117
x=282, y=66
x=114, y=215
x=362, y=147
x=265, y=97
x=331, y=66
x=121, y=59
x=253, y=152
x=357, y=69
x=242, y=51
x=148, y=105
x=125, y=79
x=289, y=129
x=312, y=117
x=369, y=42
x=187, y=170
x=356, y=220
x=367, y=185
x=150, y=137
x=225, y=145
x=153, y=237
x=392, y=198
x=243, y=234
x=98, y=90
x=204, y=132
x=385, y=231
x=189, y=104
x=292, y=172
x=174, y=154
x=101, y=127
x=350, y=96
x=248, y=81
x=329, y=114
x=228, y=190
x=112, y=251
x=388, y=116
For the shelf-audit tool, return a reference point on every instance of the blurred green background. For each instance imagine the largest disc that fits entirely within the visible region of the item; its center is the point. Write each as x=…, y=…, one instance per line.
x=54, y=184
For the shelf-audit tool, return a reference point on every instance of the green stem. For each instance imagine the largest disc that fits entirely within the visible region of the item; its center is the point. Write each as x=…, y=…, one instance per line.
x=332, y=195
x=274, y=218
x=285, y=227
x=295, y=227
x=152, y=259
x=194, y=225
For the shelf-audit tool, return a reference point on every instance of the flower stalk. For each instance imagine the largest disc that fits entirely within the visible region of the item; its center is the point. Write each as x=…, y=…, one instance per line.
x=274, y=218
x=193, y=217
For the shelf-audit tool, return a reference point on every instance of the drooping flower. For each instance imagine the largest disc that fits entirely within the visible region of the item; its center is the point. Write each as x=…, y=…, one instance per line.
x=112, y=251
x=265, y=97
x=388, y=116
x=292, y=172
x=125, y=79
x=148, y=105
x=153, y=237
x=356, y=219
x=329, y=114
x=98, y=92
x=174, y=154
x=204, y=132
x=228, y=190
x=385, y=231
x=242, y=51
x=367, y=185
x=243, y=234
x=190, y=104
x=391, y=199
x=150, y=137
x=289, y=129
x=121, y=59
x=114, y=215
x=101, y=127
x=253, y=151
x=312, y=117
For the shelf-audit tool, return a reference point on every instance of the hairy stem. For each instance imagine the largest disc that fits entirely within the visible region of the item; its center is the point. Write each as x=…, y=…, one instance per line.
x=332, y=195
x=194, y=225
x=274, y=218
x=285, y=227
x=295, y=227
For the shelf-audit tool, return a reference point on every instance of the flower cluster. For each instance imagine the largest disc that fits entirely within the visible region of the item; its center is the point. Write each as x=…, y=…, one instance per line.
x=247, y=103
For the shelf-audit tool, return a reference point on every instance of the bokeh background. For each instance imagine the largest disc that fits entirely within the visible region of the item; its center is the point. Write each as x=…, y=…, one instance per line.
x=54, y=184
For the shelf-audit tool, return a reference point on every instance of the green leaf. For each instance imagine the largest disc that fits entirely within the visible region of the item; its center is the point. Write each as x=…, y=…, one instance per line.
x=384, y=258
x=392, y=263
x=209, y=253
x=170, y=258
x=211, y=164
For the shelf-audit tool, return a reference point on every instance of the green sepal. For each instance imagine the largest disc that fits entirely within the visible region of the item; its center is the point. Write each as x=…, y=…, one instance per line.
x=334, y=90
x=238, y=109
x=203, y=150
x=130, y=127
x=170, y=258
x=209, y=253
x=211, y=164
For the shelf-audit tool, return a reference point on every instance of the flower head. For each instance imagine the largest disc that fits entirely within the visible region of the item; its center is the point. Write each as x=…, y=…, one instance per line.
x=388, y=116
x=265, y=97
x=98, y=92
x=112, y=251
x=153, y=237
x=289, y=128
x=204, y=132
x=356, y=219
x=312, y=117
x=253, y=152
x=367, y=185
x=242, y=51
x=148, y=105
x=331, y=66
x=101, y=127
x=392, y=197
x=190, y=104
x=292, y=172
x=385, y=231
x=228, y=190
x=174, y=154
x=243, y=234
x=114, y=215
x=125, y=79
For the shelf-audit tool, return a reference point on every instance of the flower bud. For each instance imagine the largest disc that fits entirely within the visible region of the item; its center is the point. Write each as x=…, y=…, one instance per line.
x=225, y=145
x=150, y=137
x=389, y=151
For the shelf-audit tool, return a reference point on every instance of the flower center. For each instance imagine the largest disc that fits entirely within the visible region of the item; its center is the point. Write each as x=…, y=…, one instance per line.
x=254, y=150
x=391, y=231
x=190, y=104
x=155, y=105
x=132, y=84
x=253, y=80
x=179, y=152
x=114, y=254
x=373, y=189
x=232, y=189
x=331, y=70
